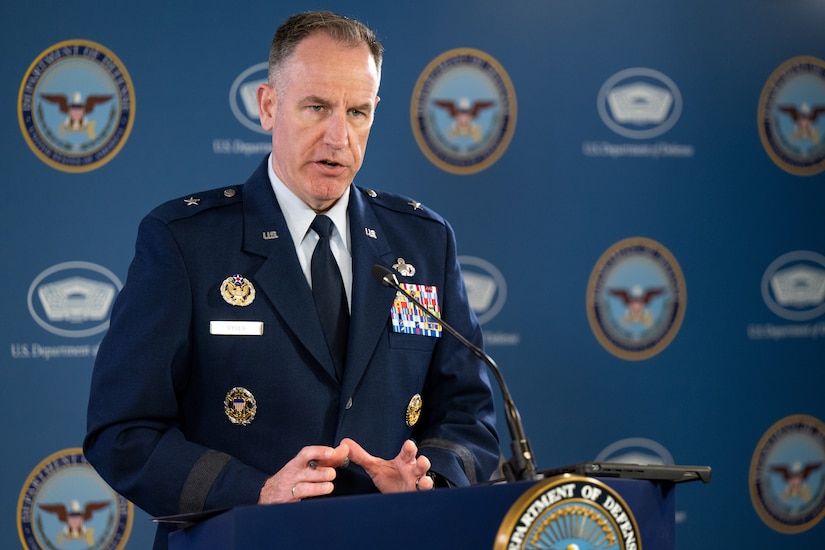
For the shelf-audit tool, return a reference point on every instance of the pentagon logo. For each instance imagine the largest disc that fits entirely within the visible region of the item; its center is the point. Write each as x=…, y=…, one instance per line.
x=486, y=287
x=636, y=298
x=243, y=96
x=463, y=111
x=76, y=106
x=73, y=299
x=639, y=103
x=793, y=286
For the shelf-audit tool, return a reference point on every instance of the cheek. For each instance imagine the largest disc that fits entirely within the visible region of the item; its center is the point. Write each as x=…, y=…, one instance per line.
x=358, y=143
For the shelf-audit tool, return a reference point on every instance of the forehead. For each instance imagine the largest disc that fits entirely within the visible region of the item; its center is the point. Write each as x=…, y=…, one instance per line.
x=321, y=60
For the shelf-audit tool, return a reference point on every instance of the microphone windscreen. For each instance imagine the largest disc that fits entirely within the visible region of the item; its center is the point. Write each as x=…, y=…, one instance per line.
x=381, y=273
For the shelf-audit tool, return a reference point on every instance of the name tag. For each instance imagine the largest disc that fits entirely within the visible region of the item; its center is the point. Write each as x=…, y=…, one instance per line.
x=236, y=328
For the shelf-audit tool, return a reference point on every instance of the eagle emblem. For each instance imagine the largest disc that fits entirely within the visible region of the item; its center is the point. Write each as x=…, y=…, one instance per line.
x=795, y=476
x=804, y=119
x=636, y=301
x=75, y=518
x=237, y=290
x=464, y=114
x=76, y=110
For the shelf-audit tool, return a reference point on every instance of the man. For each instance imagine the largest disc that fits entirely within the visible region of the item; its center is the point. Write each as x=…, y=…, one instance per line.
x=215, y=385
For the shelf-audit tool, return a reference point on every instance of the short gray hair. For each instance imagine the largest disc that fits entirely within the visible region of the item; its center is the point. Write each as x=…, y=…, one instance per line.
x=340, y=28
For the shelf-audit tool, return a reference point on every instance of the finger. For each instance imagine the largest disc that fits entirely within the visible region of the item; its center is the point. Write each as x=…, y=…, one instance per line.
x=312, y=454
x=423, y=464
x=316, y=456
x=357, y=453
x=305, y=489
x=424, y=483
x=408, y=452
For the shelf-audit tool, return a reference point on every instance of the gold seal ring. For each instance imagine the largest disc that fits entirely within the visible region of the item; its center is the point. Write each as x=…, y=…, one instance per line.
x=293, y=492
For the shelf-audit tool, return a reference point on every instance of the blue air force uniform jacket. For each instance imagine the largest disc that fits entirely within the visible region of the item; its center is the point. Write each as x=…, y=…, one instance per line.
x=158, y=428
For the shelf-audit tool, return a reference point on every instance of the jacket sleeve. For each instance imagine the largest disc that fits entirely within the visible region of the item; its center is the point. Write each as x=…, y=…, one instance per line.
x=133, y=437
x=459, y=435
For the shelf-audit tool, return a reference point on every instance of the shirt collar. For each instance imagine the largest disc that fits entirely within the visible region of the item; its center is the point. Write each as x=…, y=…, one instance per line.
x=299, y=215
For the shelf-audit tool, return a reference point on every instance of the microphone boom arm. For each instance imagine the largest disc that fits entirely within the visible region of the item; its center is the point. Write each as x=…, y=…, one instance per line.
x=522, y=465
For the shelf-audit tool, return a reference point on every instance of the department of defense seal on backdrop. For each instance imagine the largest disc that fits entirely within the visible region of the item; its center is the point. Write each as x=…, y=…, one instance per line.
x=76, y=106
x=569, y=512
x=66, y=504
x=787, y=474
x=791, y=116
x=463, y=111
x=636, y=298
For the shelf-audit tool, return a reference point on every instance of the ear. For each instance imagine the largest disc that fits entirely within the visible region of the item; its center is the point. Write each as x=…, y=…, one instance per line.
x=267, y=102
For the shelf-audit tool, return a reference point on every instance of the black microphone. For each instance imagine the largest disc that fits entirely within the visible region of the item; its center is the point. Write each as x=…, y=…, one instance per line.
x=522, y=465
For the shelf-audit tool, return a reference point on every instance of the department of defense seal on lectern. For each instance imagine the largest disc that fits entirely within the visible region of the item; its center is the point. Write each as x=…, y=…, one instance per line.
x=569, y=512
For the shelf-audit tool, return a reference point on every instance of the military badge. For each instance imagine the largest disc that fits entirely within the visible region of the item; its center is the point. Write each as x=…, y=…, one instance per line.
x=405, y=269
x=237, y=290
x=240, y=406
x=414, y=410
x=407, y=317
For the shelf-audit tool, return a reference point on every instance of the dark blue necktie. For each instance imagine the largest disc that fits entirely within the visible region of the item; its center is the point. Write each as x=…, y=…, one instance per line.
x=329, y=294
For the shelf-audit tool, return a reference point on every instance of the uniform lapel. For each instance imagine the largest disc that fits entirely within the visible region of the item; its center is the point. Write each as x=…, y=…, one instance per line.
x=280, y=277
x=371, y=301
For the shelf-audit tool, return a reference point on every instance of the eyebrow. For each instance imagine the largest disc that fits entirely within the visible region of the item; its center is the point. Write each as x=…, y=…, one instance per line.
x=316, y=100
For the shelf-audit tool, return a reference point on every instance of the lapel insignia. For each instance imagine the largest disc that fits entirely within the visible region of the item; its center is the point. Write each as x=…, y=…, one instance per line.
x=237, y=290
x=240, y=406
x=405, y=269
x=415, y=204
x=413, y=410
x=269, y=235
x=191, y=201
x=370, y=233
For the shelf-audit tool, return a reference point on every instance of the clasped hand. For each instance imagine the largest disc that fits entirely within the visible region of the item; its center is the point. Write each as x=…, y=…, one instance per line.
x=313, y=470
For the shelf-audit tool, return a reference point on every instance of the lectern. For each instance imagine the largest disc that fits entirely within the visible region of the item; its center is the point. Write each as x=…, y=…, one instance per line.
x=459, y=518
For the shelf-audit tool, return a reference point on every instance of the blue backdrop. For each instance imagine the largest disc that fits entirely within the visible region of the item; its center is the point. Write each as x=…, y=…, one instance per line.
x=630, y=123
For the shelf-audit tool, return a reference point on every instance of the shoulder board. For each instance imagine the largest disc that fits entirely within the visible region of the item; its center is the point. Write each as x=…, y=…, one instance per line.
x=399, y=203
x=190, y=205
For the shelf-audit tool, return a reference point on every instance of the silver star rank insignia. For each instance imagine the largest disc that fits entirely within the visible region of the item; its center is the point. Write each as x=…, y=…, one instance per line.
x=415, y=204
x=191, y=201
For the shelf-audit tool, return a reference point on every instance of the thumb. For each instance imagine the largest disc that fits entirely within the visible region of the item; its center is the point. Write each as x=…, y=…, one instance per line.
x=357, y=453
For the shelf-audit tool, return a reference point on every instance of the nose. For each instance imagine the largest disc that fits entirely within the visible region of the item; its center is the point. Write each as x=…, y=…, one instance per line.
x=336, y=134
